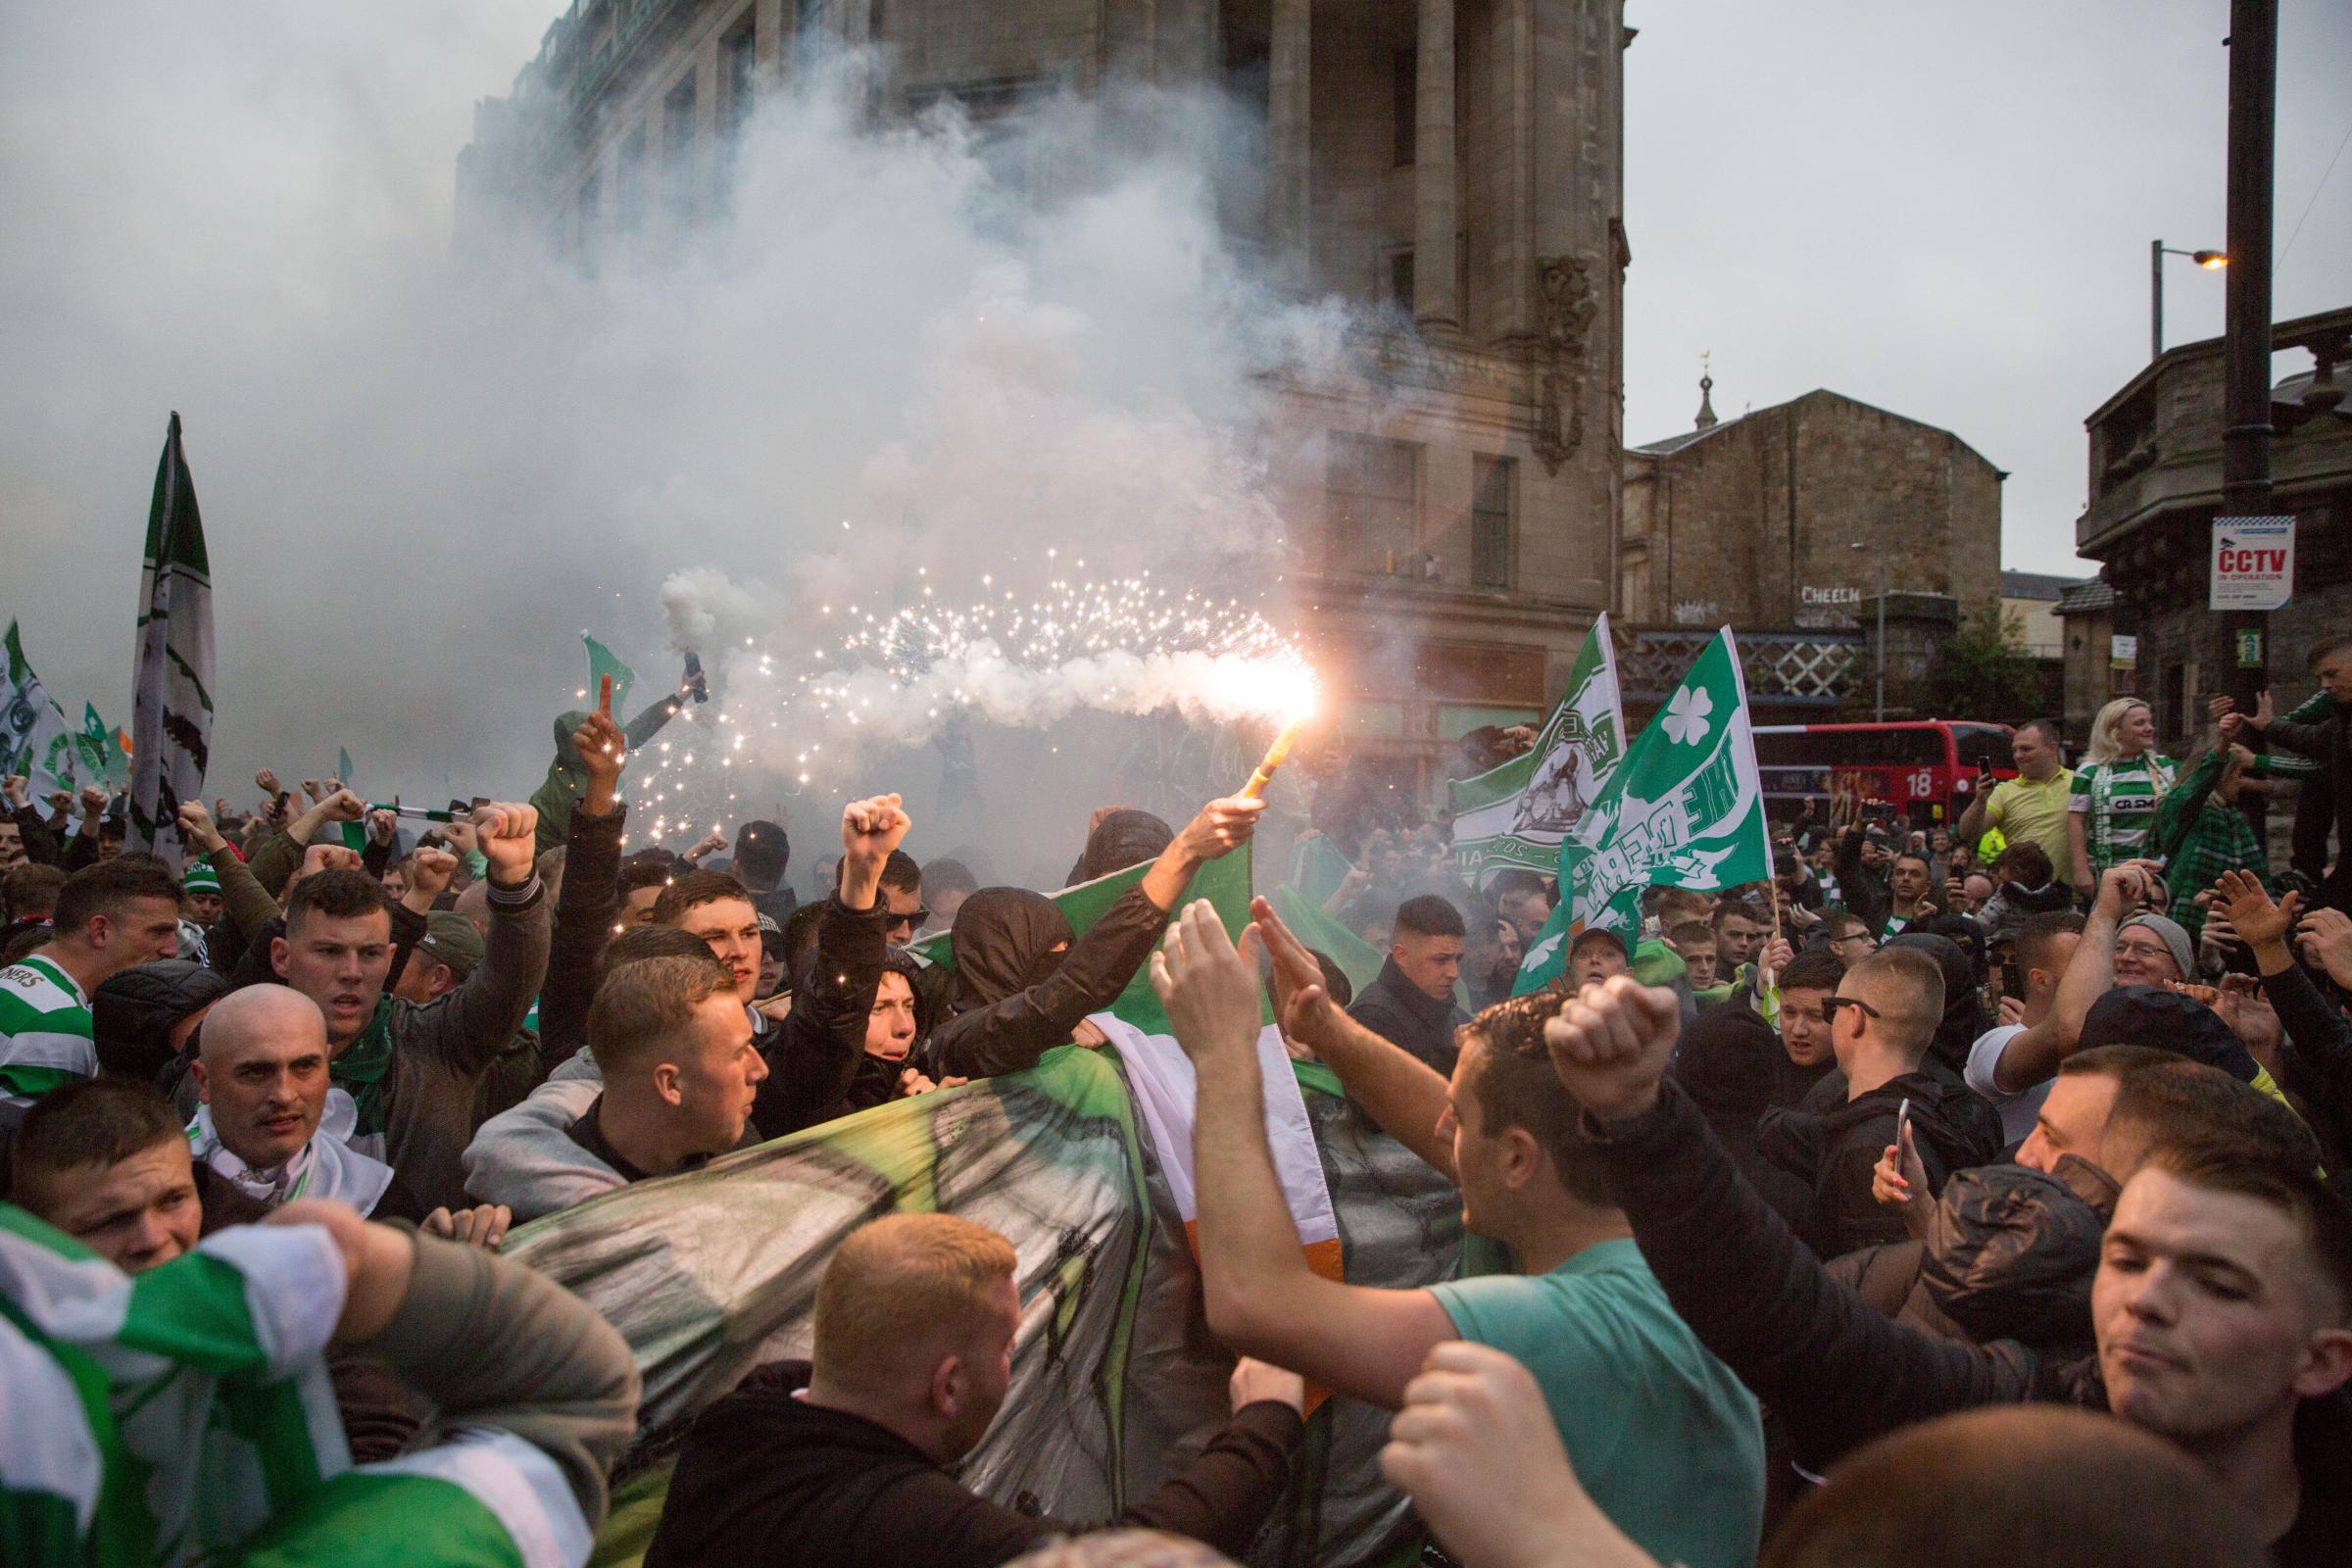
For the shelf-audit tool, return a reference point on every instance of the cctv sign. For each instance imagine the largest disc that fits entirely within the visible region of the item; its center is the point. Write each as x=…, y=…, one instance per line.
x=2253, y=562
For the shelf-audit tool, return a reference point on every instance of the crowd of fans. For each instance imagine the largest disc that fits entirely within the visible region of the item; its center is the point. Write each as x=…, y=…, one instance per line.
x=1963, y=1194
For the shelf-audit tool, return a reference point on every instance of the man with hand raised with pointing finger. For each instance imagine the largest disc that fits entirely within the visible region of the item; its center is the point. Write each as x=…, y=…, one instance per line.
x=1649, y=1417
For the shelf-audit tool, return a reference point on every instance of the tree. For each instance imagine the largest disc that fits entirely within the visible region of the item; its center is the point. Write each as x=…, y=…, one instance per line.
x=1981, y=672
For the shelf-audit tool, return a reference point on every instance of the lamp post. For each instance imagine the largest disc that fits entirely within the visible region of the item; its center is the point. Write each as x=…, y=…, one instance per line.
x=1880, y=700
x=2158, y=250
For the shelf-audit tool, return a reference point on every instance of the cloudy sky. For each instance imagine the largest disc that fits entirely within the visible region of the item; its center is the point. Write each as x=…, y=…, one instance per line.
x=1944, y=210
x=241, y=209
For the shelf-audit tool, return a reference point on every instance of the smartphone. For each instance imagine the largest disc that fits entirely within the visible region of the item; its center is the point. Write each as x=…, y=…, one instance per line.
x=2013, y=980
x=1902, y=1126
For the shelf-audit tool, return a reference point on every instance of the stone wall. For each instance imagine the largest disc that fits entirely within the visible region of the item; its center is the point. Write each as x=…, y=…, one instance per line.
x=1753, y=522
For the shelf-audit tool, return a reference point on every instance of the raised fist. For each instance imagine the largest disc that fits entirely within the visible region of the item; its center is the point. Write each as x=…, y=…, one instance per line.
x=507, y=835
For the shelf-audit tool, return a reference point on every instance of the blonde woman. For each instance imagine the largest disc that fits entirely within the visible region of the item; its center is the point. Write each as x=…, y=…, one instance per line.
x=2112, y=805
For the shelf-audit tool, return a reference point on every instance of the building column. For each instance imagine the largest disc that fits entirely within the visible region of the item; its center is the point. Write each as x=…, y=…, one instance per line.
x=1512, y=274
x=1437, y=268
x=1288, y=103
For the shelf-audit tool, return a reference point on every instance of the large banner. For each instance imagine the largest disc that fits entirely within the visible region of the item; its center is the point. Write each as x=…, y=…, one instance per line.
x=1115, y=1378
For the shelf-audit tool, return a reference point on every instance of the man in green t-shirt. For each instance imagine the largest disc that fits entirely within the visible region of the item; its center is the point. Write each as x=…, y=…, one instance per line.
x=2033, y=805
x=1662, y=1435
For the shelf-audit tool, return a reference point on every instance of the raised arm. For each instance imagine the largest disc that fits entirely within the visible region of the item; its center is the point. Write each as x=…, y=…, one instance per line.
x=1973, y=821
x=472, y=1024
x=824, y=1034
x=1401, y=1093
x=590, y=892
x=1262, y=1298
x=2320, y=1034
x=1009, y=1035
x=1808, y=1347
x=2032, y=1057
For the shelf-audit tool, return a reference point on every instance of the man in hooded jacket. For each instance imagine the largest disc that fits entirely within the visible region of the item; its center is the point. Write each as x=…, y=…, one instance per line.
x=1023, y=982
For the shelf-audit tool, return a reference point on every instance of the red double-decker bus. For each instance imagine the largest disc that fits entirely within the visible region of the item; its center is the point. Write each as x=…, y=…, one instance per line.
x=1927, y=768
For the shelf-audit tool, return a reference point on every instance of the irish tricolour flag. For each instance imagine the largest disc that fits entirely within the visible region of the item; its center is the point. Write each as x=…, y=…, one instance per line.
x=1160, y=1075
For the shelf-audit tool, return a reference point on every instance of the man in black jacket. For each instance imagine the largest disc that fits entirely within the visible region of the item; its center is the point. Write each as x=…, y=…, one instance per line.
x=1410, y=1002
x=1022, y=984
x=845, y=1460
x=1881, y=1022
x=2223, y=1304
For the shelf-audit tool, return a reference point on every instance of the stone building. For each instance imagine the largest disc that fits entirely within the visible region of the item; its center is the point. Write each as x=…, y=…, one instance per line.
x=2156, y=486
x=1781, y=521
x=1460, y=160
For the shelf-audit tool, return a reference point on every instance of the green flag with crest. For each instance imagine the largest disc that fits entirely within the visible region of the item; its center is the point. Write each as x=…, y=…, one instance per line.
x=1684, y=808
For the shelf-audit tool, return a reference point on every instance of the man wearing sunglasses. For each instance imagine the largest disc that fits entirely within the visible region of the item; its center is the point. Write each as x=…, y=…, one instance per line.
x=902, y=899
x=1881, y=1021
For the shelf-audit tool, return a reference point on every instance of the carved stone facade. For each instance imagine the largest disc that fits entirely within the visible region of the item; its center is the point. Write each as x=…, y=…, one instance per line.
x=1453, y=162
x=1568, y=312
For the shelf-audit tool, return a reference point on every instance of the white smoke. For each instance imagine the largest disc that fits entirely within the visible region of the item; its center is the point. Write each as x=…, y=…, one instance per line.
x=889, y=363
x=984, y=681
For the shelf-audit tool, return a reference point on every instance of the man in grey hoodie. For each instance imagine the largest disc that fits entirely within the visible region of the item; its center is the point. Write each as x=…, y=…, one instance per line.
x=673, y=1071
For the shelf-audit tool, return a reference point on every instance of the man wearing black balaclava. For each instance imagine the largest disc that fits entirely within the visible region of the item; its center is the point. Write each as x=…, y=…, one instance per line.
x=1023, y=982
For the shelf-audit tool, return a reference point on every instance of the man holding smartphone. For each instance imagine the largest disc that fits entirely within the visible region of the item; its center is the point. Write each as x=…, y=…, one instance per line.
x=2031, y=806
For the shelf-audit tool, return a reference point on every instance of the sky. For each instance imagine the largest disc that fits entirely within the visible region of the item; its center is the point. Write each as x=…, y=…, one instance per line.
x=1944, y=211
x=242, y=211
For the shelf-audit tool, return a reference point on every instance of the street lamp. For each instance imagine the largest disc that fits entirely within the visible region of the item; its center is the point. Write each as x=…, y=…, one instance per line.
x=1882, y=645
x=2158, y=250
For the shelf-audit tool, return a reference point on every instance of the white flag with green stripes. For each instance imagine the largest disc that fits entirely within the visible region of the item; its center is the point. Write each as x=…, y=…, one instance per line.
x=172, y=714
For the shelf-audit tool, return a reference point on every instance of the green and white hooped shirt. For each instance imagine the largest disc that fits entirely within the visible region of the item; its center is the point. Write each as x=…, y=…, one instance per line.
x=186, y=1419
x=2118, y=803
x=44, y=1030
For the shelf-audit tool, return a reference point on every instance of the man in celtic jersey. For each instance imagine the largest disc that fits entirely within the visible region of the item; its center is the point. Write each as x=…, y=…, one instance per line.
x=110, y=915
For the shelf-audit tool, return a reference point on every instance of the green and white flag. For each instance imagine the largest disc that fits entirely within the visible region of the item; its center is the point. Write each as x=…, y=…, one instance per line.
x=101, y=758
x=34, y=738
x=171, y=721
x=1515, y=816
x=603, y=662
x=1685, y=809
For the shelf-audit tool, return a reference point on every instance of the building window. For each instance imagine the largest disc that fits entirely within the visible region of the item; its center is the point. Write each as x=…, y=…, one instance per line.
x=1490, y=522
x=736, y=59
x=628, y=182
x=1405, y=100
x=1371, y=491
x=1401, y=280
x=677, y=147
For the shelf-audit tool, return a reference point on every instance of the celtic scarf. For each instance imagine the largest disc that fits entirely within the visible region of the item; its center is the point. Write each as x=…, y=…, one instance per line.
x=360, y=1072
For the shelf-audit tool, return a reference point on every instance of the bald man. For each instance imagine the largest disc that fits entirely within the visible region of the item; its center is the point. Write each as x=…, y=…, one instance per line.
x=261, y=1086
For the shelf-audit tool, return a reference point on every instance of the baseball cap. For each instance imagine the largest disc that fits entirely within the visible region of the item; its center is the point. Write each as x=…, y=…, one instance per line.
x=450, y=938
